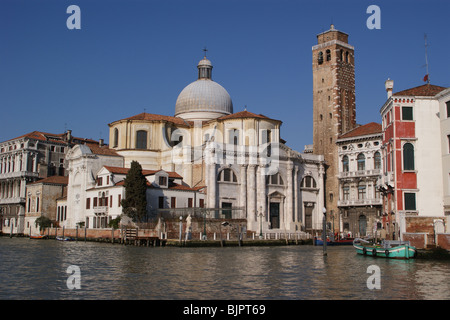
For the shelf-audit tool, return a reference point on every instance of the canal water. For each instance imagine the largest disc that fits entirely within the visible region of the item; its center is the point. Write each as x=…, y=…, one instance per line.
x=38, y=269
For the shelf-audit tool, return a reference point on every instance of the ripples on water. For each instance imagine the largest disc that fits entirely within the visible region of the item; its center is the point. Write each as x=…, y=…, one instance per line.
x=36, y=269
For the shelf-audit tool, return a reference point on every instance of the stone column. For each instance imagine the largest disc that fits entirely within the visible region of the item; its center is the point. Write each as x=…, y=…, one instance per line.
x=296, y=195
x=261, y=192
x=251, y=193
x=243, y=196
x=212, y=186
x=289, y=217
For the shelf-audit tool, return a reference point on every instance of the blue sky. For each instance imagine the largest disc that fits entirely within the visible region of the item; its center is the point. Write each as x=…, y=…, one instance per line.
x=134, y=55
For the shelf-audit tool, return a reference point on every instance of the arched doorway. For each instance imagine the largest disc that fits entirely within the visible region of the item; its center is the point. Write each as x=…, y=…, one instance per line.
x=362, y=225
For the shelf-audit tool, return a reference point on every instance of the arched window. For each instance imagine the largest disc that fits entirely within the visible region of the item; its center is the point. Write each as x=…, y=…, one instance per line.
x=233, y=137
x=346, y=56
x=345, y=164
x=361, y=162
x=227, y=175
x=377, y=160
x=275, y=179
x=141, y=139
x=328, y=52
x=308, y=182
x=116, y=138
x=408, y=156
x=320, y=58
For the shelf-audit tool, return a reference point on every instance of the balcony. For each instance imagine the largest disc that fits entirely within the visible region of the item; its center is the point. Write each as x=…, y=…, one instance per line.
x=359, y=173
x=101, y=210
x=19, y=174
x=14, y=200
x=360, y=202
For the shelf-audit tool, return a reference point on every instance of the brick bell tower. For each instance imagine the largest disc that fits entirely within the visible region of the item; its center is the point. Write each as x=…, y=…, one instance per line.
x=334, y=111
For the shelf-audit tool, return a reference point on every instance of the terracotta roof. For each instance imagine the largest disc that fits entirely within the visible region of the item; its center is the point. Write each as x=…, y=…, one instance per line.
x=53, y=180
x=120, y=170
x=158, y=117
x=101, y=150
x=427, y=90
x=42, y=136
x=176, y=186
x=245, y=114
x=54, y=137
x=364, y=130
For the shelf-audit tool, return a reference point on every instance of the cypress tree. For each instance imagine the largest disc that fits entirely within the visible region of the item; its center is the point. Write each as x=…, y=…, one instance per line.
x=135, y=203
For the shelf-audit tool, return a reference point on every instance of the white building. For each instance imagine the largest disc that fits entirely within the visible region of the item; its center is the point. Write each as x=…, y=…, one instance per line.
x=85, y=161
x=444, y=113
x=165, y=190
x=360, y=169
x=240, y=157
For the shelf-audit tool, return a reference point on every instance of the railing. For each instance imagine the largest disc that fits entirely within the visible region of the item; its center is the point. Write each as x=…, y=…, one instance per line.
x=360, y=173
x=101, y=210
x=360, y=202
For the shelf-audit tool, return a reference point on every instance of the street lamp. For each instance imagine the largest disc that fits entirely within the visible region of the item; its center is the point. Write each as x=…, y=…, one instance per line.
x=324, y=232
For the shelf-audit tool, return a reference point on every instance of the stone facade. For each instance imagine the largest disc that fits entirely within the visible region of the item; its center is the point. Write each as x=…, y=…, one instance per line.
x=41, y=201
x=360, y=169
x=23, y=160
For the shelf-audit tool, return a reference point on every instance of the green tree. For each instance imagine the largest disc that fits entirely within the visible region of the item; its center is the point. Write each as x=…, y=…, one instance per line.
x=43, y=222
x=115, y=223
x=135, y=203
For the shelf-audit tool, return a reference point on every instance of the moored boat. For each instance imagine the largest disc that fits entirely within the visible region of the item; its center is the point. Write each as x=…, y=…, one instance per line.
x=394, y=249
x=39, y=236
x=60, y=238
x=338, y=242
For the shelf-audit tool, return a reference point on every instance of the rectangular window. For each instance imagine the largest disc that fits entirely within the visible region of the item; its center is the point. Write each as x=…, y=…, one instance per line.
x=95, y=202
x=448, y=143
x=410, y=201
x=173, y=202
x=88, y=203
x=162, y=181
x=202, y=203
x=161, y=202
x=190, y=202
x=119, y=200
x=448, y=108
x=407, y=113
x=346, y=192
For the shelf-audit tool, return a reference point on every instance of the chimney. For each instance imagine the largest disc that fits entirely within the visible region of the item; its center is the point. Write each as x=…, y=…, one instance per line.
x=100, y=142
x=389, y=85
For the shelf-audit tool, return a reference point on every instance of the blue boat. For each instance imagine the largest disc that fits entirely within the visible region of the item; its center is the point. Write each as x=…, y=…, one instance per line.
x=393, y=249
x=60, y=238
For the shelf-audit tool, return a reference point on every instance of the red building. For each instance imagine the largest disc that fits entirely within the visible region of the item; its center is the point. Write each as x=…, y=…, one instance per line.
x=411, y=145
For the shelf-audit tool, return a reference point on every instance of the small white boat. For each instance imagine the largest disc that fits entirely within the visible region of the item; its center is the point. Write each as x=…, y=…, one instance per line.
x=60, y=238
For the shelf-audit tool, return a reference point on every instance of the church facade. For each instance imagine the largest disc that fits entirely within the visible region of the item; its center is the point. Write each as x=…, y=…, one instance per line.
x=244, y=166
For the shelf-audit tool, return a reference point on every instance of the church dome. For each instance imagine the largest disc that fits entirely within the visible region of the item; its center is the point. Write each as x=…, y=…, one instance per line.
x=203, y=99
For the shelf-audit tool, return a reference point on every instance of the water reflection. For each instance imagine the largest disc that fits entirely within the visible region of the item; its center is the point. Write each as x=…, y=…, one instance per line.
x=33, y=269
